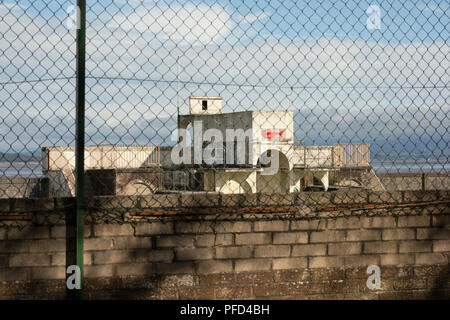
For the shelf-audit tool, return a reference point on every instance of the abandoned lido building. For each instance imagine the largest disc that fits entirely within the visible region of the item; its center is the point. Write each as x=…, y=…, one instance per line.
x=247, y=152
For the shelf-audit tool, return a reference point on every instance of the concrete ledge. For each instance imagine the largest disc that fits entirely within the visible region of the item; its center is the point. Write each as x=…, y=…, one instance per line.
x=201, y=200
x=350, y=197
x=239, y=200
x=302, y=200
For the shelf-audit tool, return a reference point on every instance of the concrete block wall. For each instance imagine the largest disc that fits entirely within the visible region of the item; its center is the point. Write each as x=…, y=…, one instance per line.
x=415, y=181
x=184, y=258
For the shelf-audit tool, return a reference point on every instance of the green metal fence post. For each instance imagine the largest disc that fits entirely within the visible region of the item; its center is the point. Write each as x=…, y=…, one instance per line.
x=79, y=142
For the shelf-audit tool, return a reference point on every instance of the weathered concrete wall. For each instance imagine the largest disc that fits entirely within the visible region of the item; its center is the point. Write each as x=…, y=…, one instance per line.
x=101, y=157
x=415, y=181
x=24, y=187
x=283, y=120
x=60, y=184
x=234, y=181
x=129, y=181
x=183, y=258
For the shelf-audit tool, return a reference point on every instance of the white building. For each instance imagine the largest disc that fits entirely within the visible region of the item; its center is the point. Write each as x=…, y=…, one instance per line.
x=253, y=142
x=238, y=152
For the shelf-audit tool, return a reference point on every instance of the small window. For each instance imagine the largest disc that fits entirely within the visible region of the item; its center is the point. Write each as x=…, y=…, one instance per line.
x=204, y=104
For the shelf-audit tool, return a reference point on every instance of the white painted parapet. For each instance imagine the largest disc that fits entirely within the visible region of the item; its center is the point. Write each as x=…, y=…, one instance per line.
x=101, y=157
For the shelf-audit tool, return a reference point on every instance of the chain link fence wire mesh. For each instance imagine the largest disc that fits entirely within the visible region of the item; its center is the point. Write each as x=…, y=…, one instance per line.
x=225, y=97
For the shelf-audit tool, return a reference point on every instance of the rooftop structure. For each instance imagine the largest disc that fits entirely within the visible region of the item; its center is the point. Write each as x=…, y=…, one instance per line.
x=252, y=140
x=205, y=105
x=249, y=151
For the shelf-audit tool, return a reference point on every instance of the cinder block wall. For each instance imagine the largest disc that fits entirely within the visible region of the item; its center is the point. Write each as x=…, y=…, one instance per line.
x=413, y=181
x=282, y=258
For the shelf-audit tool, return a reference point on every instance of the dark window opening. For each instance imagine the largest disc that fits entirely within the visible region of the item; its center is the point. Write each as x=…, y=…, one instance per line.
x=204, y=105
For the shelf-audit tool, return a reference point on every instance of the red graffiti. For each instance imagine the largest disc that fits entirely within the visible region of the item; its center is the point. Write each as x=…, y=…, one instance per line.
x=271, y=134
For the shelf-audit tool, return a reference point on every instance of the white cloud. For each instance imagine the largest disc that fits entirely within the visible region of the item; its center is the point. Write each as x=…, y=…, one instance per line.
x=186, y=24
x=253, y=17
x=145, y=45
x=6, y=6
x=434, y=8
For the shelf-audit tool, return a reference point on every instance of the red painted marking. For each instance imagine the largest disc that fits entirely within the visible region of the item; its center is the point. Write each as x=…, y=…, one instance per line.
x=272, y=133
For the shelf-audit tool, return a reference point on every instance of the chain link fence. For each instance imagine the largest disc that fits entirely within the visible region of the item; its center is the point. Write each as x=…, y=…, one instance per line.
x=225, y=97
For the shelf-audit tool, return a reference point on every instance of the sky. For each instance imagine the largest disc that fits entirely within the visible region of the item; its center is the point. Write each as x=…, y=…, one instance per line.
x=345, y=82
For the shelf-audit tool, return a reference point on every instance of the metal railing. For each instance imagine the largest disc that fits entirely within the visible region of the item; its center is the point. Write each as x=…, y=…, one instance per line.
x=356, y=155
